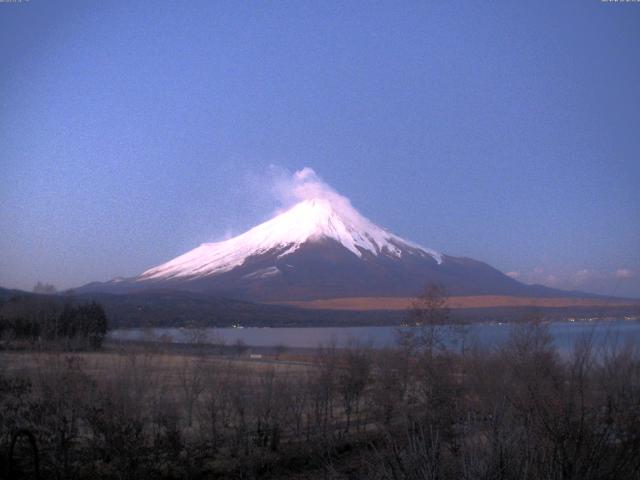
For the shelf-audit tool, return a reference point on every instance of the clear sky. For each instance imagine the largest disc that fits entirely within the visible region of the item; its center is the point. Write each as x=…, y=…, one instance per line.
x=132, y=131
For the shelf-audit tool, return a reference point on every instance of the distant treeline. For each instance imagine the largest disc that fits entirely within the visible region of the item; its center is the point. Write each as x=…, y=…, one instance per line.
x=174, y=309
x=162, y=309
x=25, y=319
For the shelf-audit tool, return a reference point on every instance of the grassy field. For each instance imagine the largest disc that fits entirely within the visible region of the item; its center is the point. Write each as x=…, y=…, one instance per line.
x=116, y=362
x=460, y=302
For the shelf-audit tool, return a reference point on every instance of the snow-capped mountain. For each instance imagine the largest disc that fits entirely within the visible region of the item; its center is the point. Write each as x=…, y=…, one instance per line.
x=310, y=221
x=320, y=248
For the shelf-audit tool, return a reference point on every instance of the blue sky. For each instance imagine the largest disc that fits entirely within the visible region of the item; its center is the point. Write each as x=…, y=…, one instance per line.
x=132, y=131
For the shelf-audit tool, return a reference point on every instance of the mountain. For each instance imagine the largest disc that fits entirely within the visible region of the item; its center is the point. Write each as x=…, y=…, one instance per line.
x=320, y=249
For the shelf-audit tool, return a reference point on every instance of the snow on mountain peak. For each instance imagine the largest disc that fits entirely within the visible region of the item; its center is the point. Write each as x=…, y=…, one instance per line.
x=308, y=221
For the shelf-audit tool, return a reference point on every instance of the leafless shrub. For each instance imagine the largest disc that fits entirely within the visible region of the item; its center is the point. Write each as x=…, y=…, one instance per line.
x=388, y=394
x=191, y=377
x=353, y=378
x=429, y=314
x=414, y=455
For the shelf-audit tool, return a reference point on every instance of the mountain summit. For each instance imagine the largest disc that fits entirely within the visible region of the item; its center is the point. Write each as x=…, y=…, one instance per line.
x=321, y=248
x=309, y=222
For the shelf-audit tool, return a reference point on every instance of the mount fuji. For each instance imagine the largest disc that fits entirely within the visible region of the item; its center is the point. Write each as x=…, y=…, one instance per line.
x=321, y=248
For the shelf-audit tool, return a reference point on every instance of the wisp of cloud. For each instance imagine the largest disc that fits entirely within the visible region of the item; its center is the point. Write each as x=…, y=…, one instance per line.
x=305, y=184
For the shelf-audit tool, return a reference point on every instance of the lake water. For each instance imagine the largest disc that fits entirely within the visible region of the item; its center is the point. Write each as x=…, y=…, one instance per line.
x=564, y=334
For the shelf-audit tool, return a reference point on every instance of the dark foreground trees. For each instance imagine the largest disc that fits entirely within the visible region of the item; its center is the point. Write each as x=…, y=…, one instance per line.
x=521, y=411
x=59, y=323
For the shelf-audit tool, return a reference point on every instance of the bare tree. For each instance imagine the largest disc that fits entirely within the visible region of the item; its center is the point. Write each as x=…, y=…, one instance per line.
x=322, y=389
x=280, y=350
x=388, y=392
x=44, y=288
x=212, y=410
x=191, y=377
x=428, y=313
x=217, y=341
x=352, y=380
x=197, y=336
x=240, y=347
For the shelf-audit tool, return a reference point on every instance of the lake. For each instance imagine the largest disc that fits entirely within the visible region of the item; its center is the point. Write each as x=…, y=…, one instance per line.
x=564, y=334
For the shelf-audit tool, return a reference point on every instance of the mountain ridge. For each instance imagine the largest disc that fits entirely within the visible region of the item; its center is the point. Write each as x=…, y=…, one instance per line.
x=321, y=249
